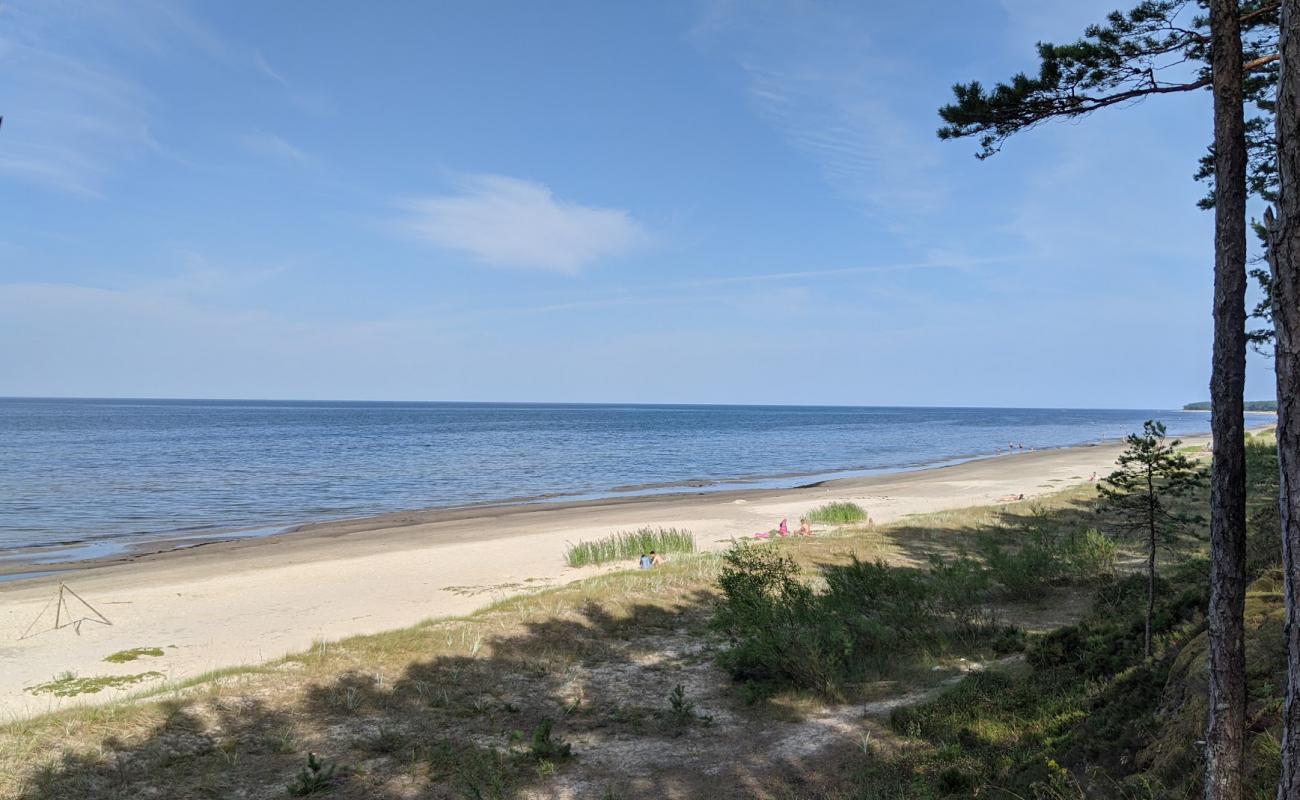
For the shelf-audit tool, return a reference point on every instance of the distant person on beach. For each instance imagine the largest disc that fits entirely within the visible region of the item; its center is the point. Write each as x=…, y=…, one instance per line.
x=646, y=561
x=783, y=528
x=656, y=560
x=804, y=528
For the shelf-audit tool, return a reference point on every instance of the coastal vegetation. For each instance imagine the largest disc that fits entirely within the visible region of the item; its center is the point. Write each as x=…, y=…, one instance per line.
x=123, y=656
x=1245, y=53
x=996, y=651
x=627, y=545
x=1139, y=499
x=70, y=685
x=1249, y=405
x=842, y=513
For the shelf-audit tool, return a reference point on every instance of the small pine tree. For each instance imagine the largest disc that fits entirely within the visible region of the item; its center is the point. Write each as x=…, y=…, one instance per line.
x=1137, y=497
x=317, y=776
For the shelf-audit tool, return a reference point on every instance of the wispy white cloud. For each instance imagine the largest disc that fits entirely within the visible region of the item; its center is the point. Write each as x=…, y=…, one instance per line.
x=67, y=121
x=266, y=69
x=270, y=145
x=517, y=223
x=76, y=109
x=1030, y=21
x=816, y=75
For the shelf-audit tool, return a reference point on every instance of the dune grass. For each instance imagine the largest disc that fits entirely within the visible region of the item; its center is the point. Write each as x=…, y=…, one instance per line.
x=630, y=544
x=837, y=514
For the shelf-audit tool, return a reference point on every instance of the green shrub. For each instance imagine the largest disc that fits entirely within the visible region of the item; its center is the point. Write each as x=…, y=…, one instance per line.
x=961, y=588
x=545, y=747
x=773, y=621
x=872, y=620
x=630, y=544
x=1090, y=555
x=481, y=773
x=1024, y=572
x=837, y=514
x=1109, y=639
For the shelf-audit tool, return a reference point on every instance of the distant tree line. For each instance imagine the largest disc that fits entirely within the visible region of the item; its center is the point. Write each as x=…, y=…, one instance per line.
x=1250, y=405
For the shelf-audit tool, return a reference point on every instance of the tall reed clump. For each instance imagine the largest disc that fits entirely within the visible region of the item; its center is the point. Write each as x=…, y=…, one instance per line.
x=630, y=544
x=837, y=514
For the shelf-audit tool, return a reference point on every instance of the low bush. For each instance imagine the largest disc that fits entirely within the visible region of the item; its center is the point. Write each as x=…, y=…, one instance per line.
x=961, y=589
x=1024, y=571
x=773, y=621
x=872, y=621
x=1090, y=555
x=547, y=747
x=630, y=544
x=1109, y=639
x=1088, y=701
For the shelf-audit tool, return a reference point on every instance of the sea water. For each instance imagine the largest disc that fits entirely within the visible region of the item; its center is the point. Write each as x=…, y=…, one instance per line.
x=101, y=471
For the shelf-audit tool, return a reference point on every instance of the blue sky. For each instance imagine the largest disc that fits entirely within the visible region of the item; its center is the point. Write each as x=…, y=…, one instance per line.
x=602, y=201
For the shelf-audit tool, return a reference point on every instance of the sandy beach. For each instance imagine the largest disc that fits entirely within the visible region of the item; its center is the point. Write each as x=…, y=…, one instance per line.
x=248, y=601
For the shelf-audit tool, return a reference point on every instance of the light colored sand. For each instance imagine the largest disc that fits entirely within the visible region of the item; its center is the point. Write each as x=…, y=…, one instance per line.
x=245, y=602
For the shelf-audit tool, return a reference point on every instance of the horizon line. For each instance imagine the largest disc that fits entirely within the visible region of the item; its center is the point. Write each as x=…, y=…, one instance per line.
x=587, y=403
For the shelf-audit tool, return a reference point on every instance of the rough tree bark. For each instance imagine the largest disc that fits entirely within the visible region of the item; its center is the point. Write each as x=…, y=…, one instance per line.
x=1227, y=696
x=1284, y=259
x=1151, y=562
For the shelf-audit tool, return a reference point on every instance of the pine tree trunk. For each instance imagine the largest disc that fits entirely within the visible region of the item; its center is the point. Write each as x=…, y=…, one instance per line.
x=1151, y=592
x=1224, y=735
x=1151, y=562
x=1284, y=258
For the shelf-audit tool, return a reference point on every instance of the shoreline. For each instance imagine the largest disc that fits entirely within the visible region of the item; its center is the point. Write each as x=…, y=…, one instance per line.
x=29, y=562
x=21, y=564
x=245, y=602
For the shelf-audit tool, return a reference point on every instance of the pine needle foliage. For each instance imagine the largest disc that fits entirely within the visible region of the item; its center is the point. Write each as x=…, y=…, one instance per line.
x=1140, y=498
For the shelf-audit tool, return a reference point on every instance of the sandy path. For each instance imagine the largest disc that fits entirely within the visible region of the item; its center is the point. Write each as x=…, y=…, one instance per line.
x=244, y=602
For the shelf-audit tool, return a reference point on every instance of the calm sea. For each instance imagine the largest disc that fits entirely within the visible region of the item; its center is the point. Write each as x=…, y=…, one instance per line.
x=122, y=470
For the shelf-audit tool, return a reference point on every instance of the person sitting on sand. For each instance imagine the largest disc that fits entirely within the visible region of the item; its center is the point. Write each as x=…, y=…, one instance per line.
x=646, y=562
x=656, y=560
x=783, y=528
x=762, y=535
x=804, y=528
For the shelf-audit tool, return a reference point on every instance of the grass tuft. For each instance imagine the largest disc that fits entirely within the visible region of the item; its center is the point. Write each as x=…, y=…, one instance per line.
x=630, y=544
x=837, y=514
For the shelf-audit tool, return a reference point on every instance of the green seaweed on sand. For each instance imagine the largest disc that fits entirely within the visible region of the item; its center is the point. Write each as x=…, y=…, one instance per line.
x=123, y=656
x=69, y=685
